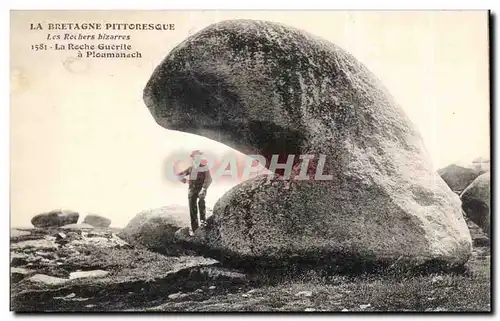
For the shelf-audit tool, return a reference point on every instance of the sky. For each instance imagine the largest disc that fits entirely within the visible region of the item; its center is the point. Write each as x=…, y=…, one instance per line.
x=82, y=138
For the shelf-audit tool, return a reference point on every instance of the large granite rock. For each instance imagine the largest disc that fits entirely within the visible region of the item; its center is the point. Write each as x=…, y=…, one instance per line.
x=262, y=87
x=476, y=201
x=55, y=218
x=459, y=176
x=97, y=221
x=155, y=229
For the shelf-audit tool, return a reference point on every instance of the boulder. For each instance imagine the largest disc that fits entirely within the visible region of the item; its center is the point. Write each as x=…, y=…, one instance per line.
x=155, y=229
x=476, y=202
x=269, y=89
x=97, y=221
x=55, y=218
x=459, y=176
x=47, y=279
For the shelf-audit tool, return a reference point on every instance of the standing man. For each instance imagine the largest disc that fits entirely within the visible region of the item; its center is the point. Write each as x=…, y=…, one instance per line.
x=199, y=181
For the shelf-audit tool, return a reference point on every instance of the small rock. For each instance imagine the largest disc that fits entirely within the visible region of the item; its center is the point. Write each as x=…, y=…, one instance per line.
x=175, y=296
x=79, y=299
x=199, y=291
x=69, y=296
x=212, y=287
x=344, y=310
x=304, y=294
x=438, y=278
x=88, y=274
x=43, y=254
x=310, y=310
x=252, y=291
x=245, y=295
x=364, y=306
x=47, y=279
x=90, y=305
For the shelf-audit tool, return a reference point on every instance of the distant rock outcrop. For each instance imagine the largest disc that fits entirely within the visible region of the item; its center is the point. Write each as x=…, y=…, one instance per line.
x=97, y=221
x=55, y=218
x=459, y=176
x=476, y=201
x=262, y=87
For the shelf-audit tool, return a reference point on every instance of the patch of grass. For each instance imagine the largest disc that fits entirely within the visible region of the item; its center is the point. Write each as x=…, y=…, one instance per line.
x=468, y=291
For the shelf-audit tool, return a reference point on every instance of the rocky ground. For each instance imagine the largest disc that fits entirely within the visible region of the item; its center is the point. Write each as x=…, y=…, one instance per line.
x=84, y=269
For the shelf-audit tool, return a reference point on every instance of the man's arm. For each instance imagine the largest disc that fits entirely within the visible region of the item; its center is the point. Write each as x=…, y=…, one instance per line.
x=208, y=180
x=182, y=175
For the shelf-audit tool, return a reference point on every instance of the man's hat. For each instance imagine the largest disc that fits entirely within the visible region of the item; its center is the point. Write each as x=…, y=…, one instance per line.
x=195, y=152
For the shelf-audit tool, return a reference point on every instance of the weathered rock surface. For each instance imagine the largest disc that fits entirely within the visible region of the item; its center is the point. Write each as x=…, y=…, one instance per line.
x=47, y=279
x=45, y=243
x=55, y=218
x=458, y=177
x=17, y=274
x=17, y=233
x=82, y=270
x=476, y=201
x=81, y=226
x=262, y=87
x=97, y=220
x=155, y=229
x=88, y=274
x=46, y=250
